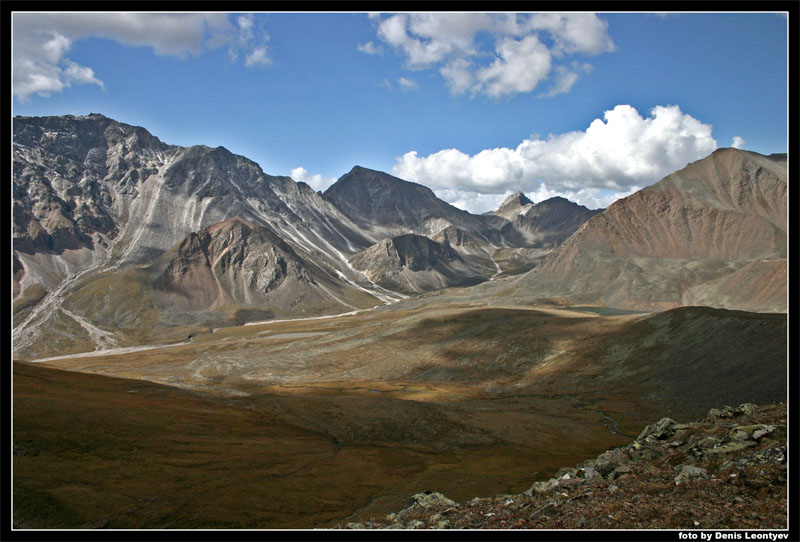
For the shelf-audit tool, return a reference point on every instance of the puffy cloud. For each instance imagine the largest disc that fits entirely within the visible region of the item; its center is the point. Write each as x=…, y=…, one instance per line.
x=738, y=142
x=614, y=155
x=522, y=52
x=574, y=32
x=258, y=57
x=317, y=181
x=42, y=41
x=565, y=78
x=519, y=66
x=370, y=48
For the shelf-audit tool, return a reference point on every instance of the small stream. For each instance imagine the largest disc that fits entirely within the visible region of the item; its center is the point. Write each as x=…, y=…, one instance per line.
x=613, y=425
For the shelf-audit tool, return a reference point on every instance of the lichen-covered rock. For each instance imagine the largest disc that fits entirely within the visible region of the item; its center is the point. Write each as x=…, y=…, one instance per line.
x=730, y=447
x=427, y=500
x=662, y=429
x=690, y=472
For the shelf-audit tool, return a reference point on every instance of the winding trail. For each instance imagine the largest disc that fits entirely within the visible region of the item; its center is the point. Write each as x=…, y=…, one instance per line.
x=130, y=349
x=109, y=352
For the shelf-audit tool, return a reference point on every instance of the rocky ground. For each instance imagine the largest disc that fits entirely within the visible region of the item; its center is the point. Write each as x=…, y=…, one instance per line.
x=726, y=471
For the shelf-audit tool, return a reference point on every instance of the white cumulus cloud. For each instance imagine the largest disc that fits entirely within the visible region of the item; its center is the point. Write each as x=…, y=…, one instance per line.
x=42, y=41
x=520, y=52
x=316, y=181
x=614, y=156
x=738, y=142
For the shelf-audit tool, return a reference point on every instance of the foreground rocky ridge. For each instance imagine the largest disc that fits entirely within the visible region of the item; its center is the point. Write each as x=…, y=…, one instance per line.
x=725, y=471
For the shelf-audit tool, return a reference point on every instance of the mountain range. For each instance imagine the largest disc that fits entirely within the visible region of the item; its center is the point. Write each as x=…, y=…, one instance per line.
x=120, y=239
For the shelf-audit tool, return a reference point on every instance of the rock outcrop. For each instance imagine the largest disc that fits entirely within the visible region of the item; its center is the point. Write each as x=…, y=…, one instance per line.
x=725, y=471
x=414, y=264
x=514, y=205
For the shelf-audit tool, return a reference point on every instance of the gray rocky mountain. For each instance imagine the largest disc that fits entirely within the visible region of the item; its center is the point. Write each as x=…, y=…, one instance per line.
x=235, y=262
x=387, y=206
x=413, y=264
x=514, y=205
x=713, y=233
x=229, y=273
x=93, y=195
x=544, y=225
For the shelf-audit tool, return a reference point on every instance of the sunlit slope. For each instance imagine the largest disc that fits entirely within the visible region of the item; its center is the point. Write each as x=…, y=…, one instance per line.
x=676, y=242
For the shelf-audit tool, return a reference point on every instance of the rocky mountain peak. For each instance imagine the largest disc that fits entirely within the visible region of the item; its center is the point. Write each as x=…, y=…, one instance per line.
x=721, y=221
x=386, y=206
x=513, y=206
x=517, y=199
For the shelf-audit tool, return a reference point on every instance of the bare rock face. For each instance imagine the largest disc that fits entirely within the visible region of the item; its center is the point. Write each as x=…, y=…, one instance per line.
x=230, y=261
x=237, y=263
x=693, y=236
x=93, y=196
x=546, y=224
x=513, y=206
x=414, y=263
x=64, y=168
x=462, y=241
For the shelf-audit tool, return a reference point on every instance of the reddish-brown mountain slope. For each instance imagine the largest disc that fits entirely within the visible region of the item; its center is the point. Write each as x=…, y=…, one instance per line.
x=713, y=233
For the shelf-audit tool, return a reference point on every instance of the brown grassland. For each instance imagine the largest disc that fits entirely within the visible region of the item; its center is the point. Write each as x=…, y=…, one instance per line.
x=310, y=423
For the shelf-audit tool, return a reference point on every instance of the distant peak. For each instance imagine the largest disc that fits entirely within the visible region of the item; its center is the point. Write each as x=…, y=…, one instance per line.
x=557, y=199
x=514, y=201
x=361, y=169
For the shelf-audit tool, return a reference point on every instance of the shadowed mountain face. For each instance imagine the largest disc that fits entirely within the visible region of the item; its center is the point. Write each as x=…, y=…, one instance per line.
x=387, y=206
x=545, y=224
x=712, y=233
x=414, y=263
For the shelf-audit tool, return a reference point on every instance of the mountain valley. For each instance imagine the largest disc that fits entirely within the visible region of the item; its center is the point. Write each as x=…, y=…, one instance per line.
x=198, y=344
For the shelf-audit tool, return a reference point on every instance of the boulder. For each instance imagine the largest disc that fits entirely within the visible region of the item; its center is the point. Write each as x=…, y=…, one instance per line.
x=427, y=500
x=690, y=472
x=660, y=430
x=730, y=447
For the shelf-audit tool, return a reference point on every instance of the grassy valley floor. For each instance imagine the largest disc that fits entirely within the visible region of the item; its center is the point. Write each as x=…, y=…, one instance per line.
x=316, y=423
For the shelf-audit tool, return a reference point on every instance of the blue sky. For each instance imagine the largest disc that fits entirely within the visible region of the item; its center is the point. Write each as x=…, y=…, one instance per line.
x=476, y=106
